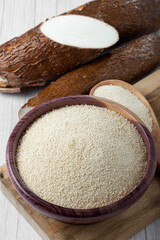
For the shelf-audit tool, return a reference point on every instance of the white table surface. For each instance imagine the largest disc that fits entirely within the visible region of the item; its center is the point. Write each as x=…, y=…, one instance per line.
x=16, y=17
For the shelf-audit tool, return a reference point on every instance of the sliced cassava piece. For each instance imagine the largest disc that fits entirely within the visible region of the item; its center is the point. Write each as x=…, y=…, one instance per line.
x=128, y=62
x=36, y=57
x=80, y=31
x=54, y=47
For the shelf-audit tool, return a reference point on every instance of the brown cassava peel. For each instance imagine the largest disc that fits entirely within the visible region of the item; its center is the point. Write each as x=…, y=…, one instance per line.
x=32, y=59
x=128, y=62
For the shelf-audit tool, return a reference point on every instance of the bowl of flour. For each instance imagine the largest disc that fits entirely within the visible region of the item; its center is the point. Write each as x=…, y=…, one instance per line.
x=80, y=160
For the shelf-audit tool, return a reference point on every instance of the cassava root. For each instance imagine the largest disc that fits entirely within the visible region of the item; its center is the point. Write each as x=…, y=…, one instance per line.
x=128, y=63
x=33, y=58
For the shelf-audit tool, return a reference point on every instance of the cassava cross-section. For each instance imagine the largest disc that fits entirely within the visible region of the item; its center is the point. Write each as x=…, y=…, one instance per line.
x=129, y=62
x=53, y=48
x=80, y=31
x=34, y=58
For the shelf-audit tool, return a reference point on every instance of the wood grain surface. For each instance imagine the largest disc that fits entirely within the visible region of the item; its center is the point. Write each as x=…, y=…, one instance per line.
x=16, y=17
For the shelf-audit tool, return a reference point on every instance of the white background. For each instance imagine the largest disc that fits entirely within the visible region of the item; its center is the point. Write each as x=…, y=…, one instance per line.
x=17, y=16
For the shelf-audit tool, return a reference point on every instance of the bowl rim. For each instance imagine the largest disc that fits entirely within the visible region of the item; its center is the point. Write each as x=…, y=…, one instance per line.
x=64, y=213
x=134, y=91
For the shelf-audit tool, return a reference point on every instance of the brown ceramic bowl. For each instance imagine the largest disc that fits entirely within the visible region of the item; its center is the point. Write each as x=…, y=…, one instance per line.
x=78, y=216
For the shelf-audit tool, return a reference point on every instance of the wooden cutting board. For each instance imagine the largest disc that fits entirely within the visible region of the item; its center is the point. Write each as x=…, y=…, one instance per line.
x=121, y=227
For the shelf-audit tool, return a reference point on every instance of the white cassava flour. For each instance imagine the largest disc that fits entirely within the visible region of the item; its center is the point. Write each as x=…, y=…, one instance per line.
x=81, y=157
x=127, y=99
